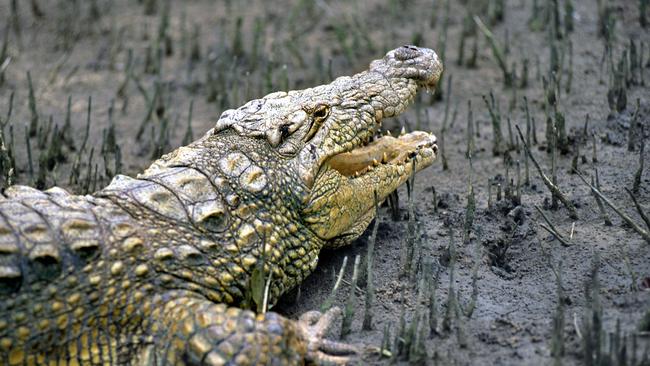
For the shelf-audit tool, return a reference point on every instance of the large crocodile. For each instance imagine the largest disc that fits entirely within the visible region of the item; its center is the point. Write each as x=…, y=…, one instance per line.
x=160, y=268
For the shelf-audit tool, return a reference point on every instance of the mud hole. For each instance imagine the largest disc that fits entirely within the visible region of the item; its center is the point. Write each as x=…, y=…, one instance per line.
x=144, y=78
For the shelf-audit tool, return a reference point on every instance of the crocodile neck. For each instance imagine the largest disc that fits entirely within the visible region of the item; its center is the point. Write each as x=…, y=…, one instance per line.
x=222, y=216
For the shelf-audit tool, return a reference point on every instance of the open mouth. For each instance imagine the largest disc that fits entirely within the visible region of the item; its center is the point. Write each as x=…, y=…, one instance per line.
x=384, y=151
x=348, y=183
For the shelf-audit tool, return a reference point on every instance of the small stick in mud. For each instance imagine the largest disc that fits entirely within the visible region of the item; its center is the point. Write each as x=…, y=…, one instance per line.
x=348, y=312
x=639, y=209
x=513, y=97
x=15, y=19
x=470, y=209
x=603, y=213
x=523, y=80
x=128, y=75
x=478, y=253
x=189, y=135
x=418, y=353
x=451, y=298
x=594, y=155
x=489, y=203
x=551, y=228
x=496, y=51
x=393, y=203
x=29, y=154
x=151, y=106
x=398, y=342
x=635, y=131
x=511, y=143
x=471, y=62
x=433, y=288
x=370, y=287
x=33, y=121
x=384, y=349
x=7, y=169
x=87, y=130
x=569, y=81
x=418, y=331
x=7, y=161
x=66, y=131
x=498, y=191
x=530, y=129
x=461, y=336
x=442, y=46
x=195, y=45
x=89, y=172
x=641, y=66
x=557, y=340
x=644, y=233
x=5, y=60
x=411, y=236
x=517, y=198
x=592, y=326
x=552, y=187
x=330, y=299
x=12, y=172
x=461, y=46
x=75, y=170
x=637, y=176
x=575, y=160
x=435, y=199
x=471, y=146
x=496, y=124
x=553, y=147
x=445, y=125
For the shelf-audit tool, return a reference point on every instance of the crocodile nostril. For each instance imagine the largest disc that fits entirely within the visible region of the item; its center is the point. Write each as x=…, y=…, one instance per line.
x=407, y=52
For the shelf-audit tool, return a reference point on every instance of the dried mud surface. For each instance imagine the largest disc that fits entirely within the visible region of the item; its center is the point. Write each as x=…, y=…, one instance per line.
x=73, y=52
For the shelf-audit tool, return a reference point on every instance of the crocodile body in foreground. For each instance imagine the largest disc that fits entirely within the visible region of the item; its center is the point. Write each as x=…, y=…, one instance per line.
x=158, y=269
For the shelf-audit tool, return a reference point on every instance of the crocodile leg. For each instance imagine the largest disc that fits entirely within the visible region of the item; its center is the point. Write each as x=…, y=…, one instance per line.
x=194, y=331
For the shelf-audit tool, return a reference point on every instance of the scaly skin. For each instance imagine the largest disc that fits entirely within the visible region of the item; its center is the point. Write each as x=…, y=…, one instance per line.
x=158, y=269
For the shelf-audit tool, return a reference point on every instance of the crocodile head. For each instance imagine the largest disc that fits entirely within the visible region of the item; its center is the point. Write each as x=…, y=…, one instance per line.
x=327, y=137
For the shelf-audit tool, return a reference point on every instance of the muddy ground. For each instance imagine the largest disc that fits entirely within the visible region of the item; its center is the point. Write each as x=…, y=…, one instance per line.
x=217, y=55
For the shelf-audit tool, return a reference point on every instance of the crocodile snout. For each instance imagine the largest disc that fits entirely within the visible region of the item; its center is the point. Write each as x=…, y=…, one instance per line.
x=410, y=62
x=408, y=52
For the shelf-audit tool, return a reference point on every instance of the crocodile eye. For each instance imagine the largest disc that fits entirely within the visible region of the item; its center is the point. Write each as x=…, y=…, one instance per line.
x=319, y=115
x=321, y=112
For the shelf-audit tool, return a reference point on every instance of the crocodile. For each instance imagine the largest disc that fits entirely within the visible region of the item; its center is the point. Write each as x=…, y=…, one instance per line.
x=180, y=264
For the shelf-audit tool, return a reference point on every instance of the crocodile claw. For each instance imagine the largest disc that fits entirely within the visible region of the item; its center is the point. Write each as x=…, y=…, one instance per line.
x=314, y=326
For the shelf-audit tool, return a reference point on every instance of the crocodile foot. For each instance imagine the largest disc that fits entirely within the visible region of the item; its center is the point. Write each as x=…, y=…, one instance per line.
x=314, y=326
